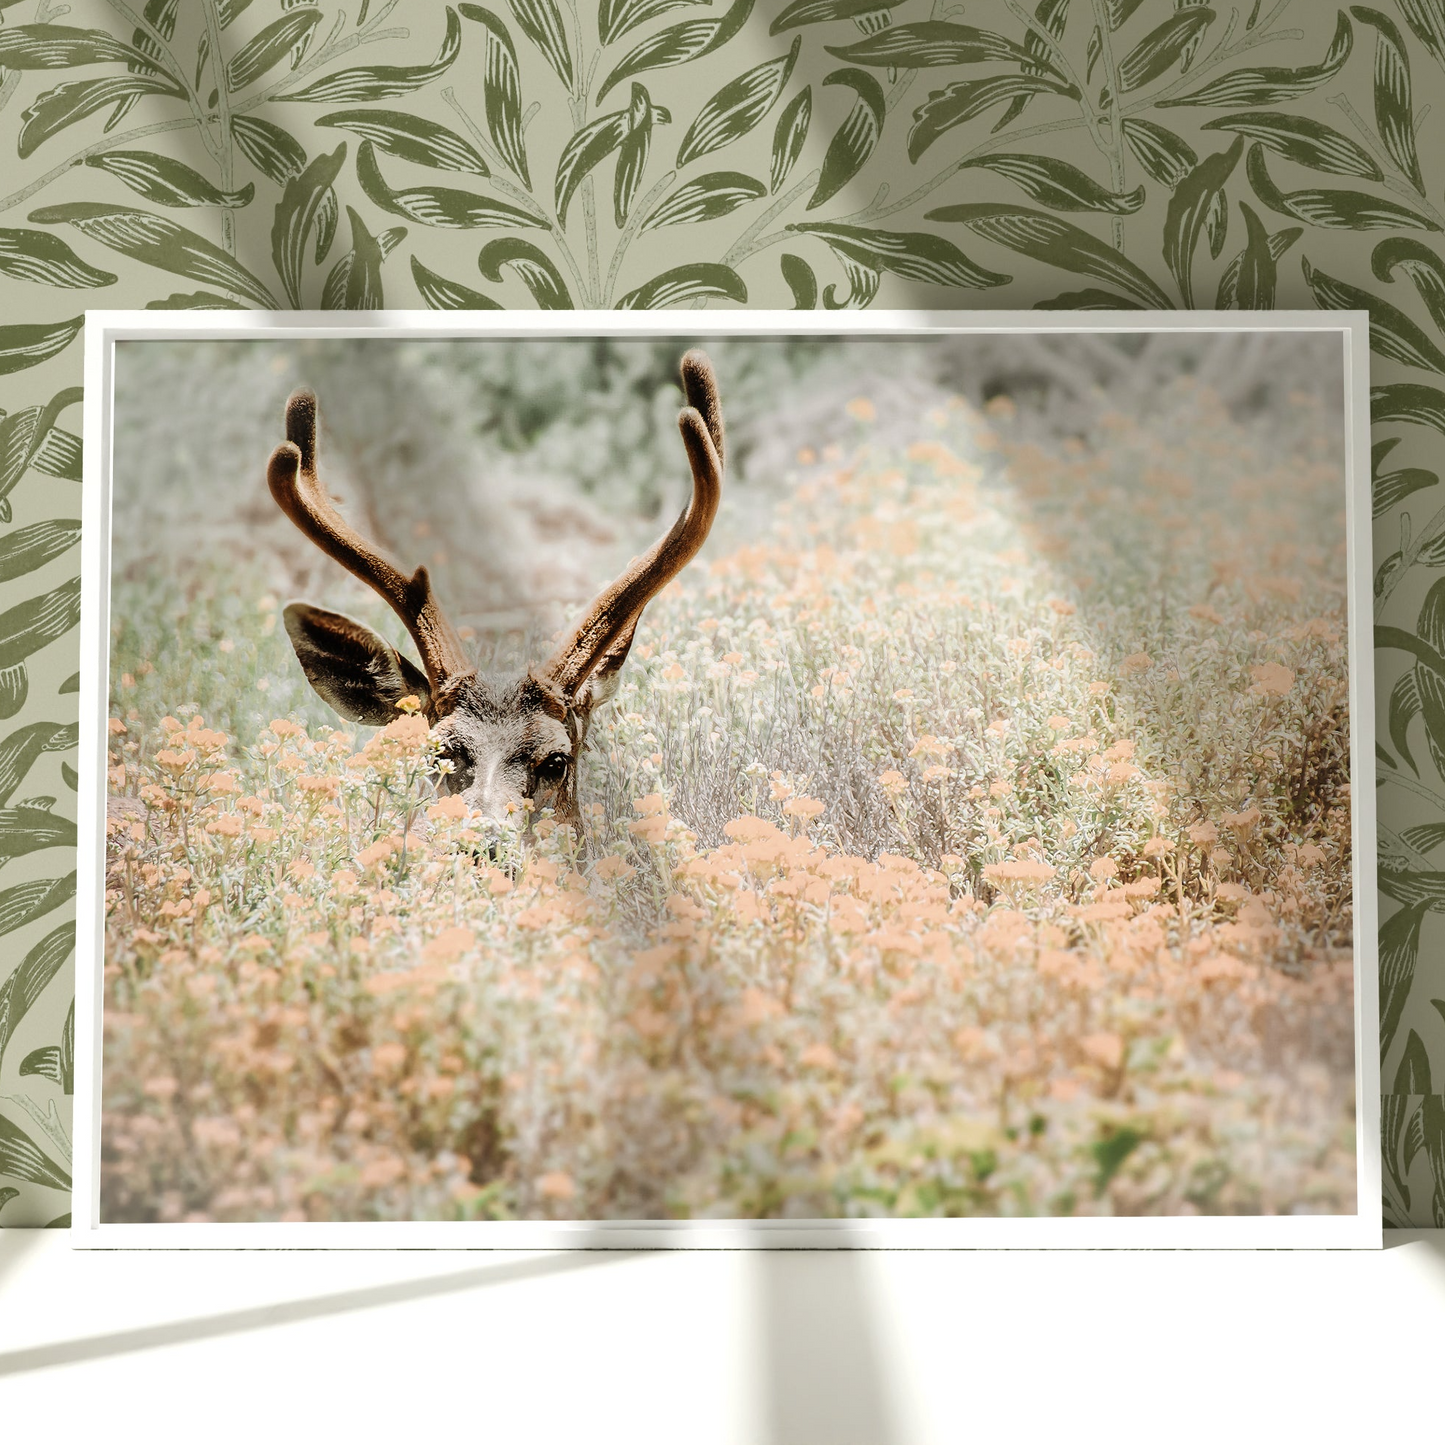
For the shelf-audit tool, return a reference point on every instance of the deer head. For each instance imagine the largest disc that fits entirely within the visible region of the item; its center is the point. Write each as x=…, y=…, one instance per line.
x=506, y=740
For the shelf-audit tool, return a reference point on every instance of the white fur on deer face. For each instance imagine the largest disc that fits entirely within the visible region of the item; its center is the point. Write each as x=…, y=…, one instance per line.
x=507, y=746
x=503, y=745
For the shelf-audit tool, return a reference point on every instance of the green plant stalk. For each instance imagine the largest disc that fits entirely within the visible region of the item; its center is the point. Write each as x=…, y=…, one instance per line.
x=876, y=211
x=640, y=211
x=225, y=154
x=499, y=182
x=1391, y=183
x=1115, y=151
x=1409, y=557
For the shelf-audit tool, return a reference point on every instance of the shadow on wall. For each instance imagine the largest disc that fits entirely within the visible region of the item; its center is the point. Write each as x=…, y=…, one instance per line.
x=821, y=1373
x=825, y=1381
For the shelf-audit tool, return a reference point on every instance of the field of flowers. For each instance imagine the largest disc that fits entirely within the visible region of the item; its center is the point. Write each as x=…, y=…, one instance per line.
x=975, y=842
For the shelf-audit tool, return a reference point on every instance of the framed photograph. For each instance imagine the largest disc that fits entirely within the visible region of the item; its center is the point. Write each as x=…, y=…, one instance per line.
x=689, y=779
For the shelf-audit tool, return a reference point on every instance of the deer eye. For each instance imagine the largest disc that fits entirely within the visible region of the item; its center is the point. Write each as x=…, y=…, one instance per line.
x=552, y=768
x=454, y=764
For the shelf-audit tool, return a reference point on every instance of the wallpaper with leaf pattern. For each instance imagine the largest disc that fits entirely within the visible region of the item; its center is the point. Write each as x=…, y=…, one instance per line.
x=655, y=153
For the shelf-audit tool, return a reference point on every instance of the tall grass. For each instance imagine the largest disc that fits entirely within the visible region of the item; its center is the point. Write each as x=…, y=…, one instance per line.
x=977, y=842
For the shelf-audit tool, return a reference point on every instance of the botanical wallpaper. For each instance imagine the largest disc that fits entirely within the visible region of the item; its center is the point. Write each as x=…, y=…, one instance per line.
x=654, y=153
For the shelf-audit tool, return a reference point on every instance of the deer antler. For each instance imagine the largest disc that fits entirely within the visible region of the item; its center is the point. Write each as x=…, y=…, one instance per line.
x=300, y=493
x=614, y=614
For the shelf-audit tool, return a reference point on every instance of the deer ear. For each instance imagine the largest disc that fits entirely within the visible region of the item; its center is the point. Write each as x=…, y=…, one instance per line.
x=604, y=679
x=360, y=674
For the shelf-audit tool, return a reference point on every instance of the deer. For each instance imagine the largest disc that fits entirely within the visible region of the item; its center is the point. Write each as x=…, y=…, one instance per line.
x=508, y=746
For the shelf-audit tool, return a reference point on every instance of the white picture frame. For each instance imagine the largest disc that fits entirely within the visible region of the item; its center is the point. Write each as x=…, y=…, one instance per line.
x=104, y=329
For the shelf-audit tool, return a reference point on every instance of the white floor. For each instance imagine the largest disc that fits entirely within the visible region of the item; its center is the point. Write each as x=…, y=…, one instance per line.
x=690, y=1349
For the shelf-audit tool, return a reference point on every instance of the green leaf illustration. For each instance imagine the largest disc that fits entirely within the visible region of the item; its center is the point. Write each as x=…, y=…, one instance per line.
x=854, y=140
x=32, y=547
x=1392, y=334
x=1250, y=279
x=354, y=283
x=57, y=1061
x=161, y=16
x=678, y=44
x=59, y=455
x=38, y=621
x=616, y=17
x=1431, y=690
x=1432, y=1137
x=789, y=136
x=1420, y=264
x=1046, y=238
x=1091, y=298
x=820, y=12
x=502, y=91
x=1339, y=210
x=801, y=281
x=583, y=153
x=276, y=153
x=954, y=104
x=1116, y=12
x=28, y=830
x=705, y=199
x=696, y=281
x=633, y=153
x=56, y=109
x=1398, y=638
x=927, y=43
x=438, y=206
x=1431, y=623
x=1166, y=157
x=1409, y=401
x=1162, y=48
x=913, y=255
x=26, y=902
x=39, y=256
x=19, y=992
x=1268, y=85
x=296, y=218
x=271, y=46
x=1303, y=140
x=29, y=438
x=1424, y=838
x=541, y=22
x=1052, y=16
x=382, y=82
x=738, y=107
x=536, y=270
x=1189, y=206
x=1427, y=19
x=443, y=295
x=194, y=301
x=19, y=751
x=61, y=47
x=166, y=181
x=1394, y=110
x=410, y=138
x=22, y=1158
x=157, y=241
x=1057, y=183
x=1388, y=490
x=1399, y=954
x=863, y=283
